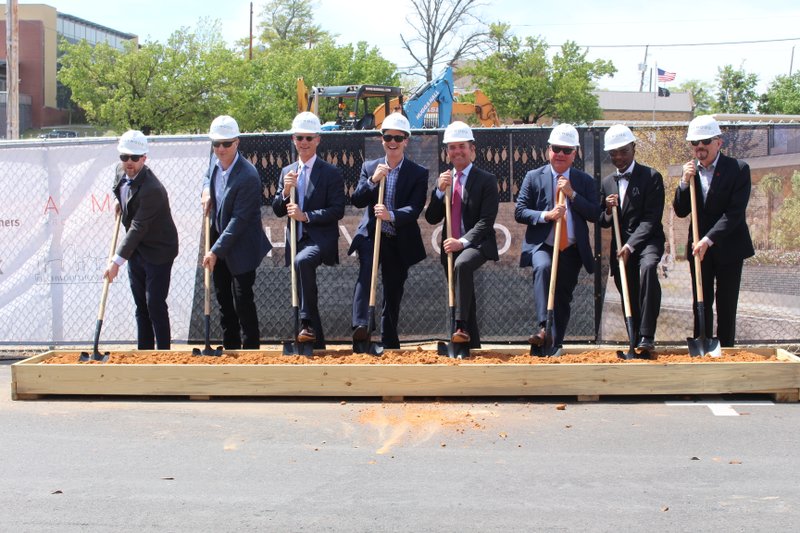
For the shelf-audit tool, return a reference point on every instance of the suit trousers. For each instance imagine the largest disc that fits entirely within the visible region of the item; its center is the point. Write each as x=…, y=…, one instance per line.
x=150, y=287
x=569, y=266
x=394, y=273
x=728, y=276
x=465, y=263
x=237, y=307
x=308, y=258
x=644, y=289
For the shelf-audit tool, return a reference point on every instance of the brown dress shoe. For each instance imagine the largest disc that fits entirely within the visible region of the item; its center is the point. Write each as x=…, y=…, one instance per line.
x=306, y=334
x=537, y=339
x=460, y=336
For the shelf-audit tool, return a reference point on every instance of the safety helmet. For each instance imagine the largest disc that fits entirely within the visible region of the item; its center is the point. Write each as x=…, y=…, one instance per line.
x=564, y=135
x=457, y=132
x=703, y=127
x=132, y=142
x=223, y=127
x=396, y=121
x=618, y=136
x=306, y=122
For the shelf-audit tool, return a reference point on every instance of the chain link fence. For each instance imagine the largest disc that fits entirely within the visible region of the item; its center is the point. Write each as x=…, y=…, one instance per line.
x=769, y=304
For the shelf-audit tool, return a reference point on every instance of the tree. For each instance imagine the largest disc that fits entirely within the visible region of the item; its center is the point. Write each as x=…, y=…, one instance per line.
x=156, y=88
x=523, y=83
x=290, y=21
x=786, y=229
x=772, y=186
x=736, y=91
x=782, y=96
x=701, y=94
x=443, y=32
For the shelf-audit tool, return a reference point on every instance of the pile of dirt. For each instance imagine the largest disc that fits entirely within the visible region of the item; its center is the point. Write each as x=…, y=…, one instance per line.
x=401, y=357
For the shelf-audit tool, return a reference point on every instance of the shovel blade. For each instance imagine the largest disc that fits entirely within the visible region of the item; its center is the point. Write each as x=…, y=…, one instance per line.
x=442, y=348
x=298, y=348
x=703, y=346
x=458, y=350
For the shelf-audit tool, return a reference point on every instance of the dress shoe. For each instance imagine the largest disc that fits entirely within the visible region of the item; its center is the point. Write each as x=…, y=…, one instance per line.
x=360, y=333
x=460, y=336
x=537, y=339
x=646, y=343
x=306, y=334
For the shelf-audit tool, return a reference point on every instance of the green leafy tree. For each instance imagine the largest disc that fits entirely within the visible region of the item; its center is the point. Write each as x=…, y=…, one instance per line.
x=772, y=186
x=701, y=94
x=523, y=83
x=157, y=88
x=786, y=228
x=782, y=96
x=290, y=21
x=736, y=91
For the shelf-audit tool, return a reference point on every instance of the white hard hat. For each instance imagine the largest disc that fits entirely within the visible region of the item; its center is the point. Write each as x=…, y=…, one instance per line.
x=223, y=127
x=396, y=121
x=458, y=132
x=132, y=142
x=306, y=122
x=702, y=127
x=564, y=135
x=618, y=136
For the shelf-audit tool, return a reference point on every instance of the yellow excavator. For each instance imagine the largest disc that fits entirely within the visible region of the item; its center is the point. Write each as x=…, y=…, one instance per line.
x=430, y=106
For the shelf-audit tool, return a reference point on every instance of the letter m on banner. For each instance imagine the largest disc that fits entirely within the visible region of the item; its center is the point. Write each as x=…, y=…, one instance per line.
x=104, y=206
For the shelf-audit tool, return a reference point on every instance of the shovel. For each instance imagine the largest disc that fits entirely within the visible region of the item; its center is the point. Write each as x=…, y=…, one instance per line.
x=702, y=345
x=547, y=349
x=96, y=355
x=208, y=350
x=453, y=350
x=367, y=346
x=294, y=347
x=626, y=298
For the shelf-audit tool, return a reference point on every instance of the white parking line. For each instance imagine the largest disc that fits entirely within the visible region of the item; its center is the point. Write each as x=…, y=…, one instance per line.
x=720, y=407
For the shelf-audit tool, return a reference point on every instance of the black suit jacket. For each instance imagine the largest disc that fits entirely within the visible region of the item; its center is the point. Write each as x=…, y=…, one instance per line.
x=241, y=243
x=149, y=228
x=536, y=195
x=641, y=213
x=721, y=217
x=324, y=205
x=409, y=200
x=479, y=205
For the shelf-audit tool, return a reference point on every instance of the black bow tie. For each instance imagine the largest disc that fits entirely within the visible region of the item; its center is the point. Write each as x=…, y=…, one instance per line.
x=127, y=181
x=625, y=176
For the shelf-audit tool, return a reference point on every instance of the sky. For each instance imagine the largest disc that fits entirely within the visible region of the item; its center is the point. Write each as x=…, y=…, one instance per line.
x=616, y=31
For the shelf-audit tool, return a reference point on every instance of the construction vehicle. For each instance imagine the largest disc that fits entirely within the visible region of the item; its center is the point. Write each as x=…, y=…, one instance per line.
x=431, y=105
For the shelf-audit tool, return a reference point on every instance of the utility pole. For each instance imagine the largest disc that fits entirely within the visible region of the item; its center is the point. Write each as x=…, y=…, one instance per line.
x=791, y=62
x=643, y=68
x=251, y=31
x=12, y=70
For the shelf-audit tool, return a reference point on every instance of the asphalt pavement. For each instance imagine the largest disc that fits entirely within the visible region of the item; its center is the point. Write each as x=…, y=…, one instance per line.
x=724, y=463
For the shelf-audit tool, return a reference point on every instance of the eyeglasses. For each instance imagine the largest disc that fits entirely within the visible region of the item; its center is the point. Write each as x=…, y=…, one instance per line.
x=560, y=149
x=307, y=138
x=396, y=138
x=226, y=144
x=705, y=142
x=135, y=158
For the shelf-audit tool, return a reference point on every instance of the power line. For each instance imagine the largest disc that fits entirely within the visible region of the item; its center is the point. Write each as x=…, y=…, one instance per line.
x=673, y=45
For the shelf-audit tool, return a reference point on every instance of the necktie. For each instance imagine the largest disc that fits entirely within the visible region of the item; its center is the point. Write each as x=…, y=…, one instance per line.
x=301, y=196
x=125, y=193
x=563, y=239
x=455, y=219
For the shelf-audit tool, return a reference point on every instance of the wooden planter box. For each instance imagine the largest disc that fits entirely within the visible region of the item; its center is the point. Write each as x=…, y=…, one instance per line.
x=33, y=380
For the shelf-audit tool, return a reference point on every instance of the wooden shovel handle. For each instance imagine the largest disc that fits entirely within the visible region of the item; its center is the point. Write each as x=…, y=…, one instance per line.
x=623, y=274
x=293, y=249
x=451, y=293
x=551, y=295
x=104, y=296
x=698, y=278
x=376, y=249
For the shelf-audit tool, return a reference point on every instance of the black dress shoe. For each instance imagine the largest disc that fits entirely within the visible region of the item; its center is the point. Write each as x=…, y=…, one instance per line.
x=646, y=343
x=537, y=339
x=360, y=333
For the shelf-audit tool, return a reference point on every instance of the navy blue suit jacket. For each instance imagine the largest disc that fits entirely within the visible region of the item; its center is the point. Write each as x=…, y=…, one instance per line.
x=324, y=204
x=241, y=243
x=409, y=200
x=536, y=195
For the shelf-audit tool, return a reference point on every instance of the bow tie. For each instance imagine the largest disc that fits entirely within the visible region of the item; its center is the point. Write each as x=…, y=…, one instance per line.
x=126, y=181
x=625, y=176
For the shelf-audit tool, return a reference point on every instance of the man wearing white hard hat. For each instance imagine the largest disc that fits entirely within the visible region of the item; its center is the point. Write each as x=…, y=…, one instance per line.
x=475, y=199
x=232, y=196
x=638, y=192
x=318, y=209
x=150, y=244
x=723, y=191
x=401, y=241
x=538, y=209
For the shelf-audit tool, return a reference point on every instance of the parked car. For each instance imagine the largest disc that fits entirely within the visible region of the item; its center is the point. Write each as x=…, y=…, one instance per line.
x=58, y=134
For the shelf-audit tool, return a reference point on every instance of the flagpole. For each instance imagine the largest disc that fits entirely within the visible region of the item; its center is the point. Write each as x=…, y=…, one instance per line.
x=655, y=92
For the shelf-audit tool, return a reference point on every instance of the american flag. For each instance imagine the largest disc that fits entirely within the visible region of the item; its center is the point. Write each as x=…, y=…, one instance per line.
x=664, y=76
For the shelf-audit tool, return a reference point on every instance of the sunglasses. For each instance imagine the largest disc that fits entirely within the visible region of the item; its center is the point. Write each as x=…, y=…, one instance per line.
x=307, y=138
x=135, y=158
x=705, y=142
x=396, y=138
x=560, y=149
x=226, y=144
